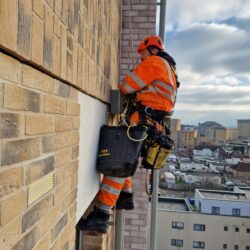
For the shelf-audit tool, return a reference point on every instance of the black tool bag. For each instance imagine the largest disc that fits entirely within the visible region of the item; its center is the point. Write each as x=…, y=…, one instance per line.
x=117, y=153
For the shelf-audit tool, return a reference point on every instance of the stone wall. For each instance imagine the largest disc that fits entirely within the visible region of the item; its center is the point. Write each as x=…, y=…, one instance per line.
x=39, y=123
x=143, y=23
x=76, y=40
x=50, y=50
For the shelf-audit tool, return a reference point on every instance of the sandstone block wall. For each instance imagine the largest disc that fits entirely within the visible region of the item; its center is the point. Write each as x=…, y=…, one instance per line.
x=49, y=51
x=39, y=124
x=75, y=40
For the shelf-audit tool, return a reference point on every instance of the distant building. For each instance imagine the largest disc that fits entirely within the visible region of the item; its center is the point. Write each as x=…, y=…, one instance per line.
x=242, y=169
x=189, y=138
x=201, y=139
x=175, y=128
x=202, y=152
x=203, y=128
x=217, y=135
x=244, y=129
x=188, y=127
x=232, y=134
x=216, y=220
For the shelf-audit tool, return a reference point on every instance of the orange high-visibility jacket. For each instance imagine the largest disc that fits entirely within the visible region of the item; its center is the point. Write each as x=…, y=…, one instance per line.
x=154, y=83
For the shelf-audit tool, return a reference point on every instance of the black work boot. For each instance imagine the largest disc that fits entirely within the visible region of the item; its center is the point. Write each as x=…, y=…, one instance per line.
x=97, y=221
x=125, y=201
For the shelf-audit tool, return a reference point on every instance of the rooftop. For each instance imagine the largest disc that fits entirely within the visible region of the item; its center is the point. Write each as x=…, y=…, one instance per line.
x=241, y=194
x=173, y=204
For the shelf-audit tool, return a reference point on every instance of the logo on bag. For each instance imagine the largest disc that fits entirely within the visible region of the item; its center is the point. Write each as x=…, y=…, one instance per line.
x=104, y=152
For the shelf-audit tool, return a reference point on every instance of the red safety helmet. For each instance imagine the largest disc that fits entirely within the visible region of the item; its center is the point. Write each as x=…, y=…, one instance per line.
x=152, y=40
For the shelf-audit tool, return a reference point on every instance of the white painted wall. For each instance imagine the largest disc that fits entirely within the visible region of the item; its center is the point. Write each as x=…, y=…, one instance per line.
x=214, y=235
x=92, y=117
x=226, y=206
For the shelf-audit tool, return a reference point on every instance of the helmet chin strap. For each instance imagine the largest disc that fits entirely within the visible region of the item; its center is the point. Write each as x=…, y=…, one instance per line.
x=150, y=51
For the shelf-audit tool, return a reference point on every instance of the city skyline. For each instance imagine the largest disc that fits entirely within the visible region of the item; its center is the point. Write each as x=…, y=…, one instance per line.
x=211, y=45
x=196, y=124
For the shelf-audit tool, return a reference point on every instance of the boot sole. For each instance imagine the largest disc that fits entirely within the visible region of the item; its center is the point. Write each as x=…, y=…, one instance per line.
x=95, y=231
x=126, y=208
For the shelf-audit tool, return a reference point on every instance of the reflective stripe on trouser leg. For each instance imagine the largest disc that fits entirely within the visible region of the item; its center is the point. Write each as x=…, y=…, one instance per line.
x=127, y=187
x=109, y=191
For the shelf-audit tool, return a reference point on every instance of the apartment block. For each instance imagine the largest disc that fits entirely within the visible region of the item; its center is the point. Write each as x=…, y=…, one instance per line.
x=175, y=129
x=232, y=134
x=244, y=129
x=221, y=221
x=189, y=138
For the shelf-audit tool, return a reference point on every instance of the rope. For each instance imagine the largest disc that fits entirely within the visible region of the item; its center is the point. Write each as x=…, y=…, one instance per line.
x=131, y=37
x=133, y=139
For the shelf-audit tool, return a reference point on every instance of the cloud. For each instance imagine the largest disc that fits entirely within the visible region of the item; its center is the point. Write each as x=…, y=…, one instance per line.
x=183, y=13
x=212, y=48
x=210, y=42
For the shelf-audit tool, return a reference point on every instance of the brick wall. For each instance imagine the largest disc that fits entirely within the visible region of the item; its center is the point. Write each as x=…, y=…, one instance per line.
x=50, y=50
x=66, y=38
x=39, y=123
x=143, y=18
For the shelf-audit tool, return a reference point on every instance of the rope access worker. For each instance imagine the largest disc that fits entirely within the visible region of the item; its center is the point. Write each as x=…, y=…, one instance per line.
x=154, y=83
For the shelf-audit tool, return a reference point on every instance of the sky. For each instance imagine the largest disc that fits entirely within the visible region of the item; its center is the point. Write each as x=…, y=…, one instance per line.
x=210, y=41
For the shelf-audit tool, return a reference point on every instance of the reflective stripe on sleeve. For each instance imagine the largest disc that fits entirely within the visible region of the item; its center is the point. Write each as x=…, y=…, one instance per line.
x=137, y=80
x=128, y=89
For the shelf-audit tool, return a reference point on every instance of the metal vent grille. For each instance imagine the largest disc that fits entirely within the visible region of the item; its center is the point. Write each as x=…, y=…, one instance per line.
x=40, y=188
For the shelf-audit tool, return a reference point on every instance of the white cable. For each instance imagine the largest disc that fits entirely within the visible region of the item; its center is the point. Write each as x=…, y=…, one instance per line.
x=133, y=139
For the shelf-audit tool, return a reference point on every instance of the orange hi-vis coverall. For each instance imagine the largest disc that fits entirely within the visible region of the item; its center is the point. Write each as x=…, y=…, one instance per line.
x=154, y=83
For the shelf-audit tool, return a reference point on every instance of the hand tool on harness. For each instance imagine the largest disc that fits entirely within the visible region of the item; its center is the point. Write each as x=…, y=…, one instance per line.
x=158, y=145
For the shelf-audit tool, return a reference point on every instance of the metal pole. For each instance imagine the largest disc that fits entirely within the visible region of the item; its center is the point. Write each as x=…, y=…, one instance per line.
x=119, y=230
x=154, y=206
x=120, y=214
x=154, y=200
x=162, y=19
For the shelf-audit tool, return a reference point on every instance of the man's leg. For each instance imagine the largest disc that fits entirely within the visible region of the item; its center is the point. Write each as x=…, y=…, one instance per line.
x=109, y=192
x=98, y=220
x=125, y=200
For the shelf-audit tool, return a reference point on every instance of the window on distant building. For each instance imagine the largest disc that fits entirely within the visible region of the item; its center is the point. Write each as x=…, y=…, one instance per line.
x=225, y=228
x=236, y=247
x=237, y=229
x=247, y=247
x=177, y=224
x=248, y=230
x=224, y=246
x=215, y=210
x=198, y=244
x=199, y=227
x=236, y=212
x=176, y=242
x=199, y=206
